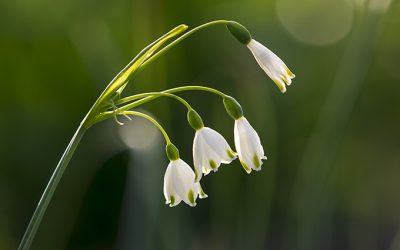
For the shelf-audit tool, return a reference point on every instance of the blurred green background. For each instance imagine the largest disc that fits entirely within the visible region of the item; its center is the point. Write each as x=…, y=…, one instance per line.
x=332, y=177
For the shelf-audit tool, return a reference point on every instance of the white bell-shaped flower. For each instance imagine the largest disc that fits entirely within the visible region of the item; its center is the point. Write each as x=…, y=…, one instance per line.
x=248, y=145
x=272, y=65
x=210, y=149
x=179, y=184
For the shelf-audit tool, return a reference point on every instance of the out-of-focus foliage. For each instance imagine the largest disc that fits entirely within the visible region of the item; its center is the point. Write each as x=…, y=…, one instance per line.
x=331, y=180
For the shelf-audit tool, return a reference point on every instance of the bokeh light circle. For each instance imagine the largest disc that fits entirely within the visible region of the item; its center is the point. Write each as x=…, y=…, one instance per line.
x=139, y=134
x=316, y=22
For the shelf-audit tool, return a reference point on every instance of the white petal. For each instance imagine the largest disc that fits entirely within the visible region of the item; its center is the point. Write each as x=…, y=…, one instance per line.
x=280, y=84
x=242, y=147
x=202, y=156
x=211, y=160
x=197, y=156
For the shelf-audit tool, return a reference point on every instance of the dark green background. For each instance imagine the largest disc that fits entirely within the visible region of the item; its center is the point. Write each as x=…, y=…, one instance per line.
x=332, y=177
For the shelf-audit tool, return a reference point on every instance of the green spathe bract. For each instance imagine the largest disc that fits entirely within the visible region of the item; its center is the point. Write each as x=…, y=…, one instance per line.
x=256, y=161
x=191, y=197
x=213, y=164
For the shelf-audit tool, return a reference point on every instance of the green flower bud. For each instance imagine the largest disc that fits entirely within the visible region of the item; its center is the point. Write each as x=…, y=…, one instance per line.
x=194, y=120
x=172, y=152
x=233, y=107
x=239, y=32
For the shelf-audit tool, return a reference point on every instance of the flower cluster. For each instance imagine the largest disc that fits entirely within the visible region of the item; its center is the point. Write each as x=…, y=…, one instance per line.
x=210, y=149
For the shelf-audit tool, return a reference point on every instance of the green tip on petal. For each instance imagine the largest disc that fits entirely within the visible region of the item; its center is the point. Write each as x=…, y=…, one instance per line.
x=246, y=168
x=190, y=196
x=230, y=153
x=290, y=73
x=202, y=195
x=280, y=85
x=256, y=161
x=172, y=201
x=213, y=165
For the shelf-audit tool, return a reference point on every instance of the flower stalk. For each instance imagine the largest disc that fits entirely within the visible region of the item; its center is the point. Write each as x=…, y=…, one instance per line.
x=50, y=189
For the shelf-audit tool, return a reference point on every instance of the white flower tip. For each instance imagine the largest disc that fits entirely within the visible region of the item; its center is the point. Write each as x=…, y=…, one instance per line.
x=191, y=198
x=171, y=201
x=257, y=162
x=289, y=73
x=288, y=81
x=245, y=167
x=281, y=85
x=206, y=171
x=231, y=154
x=287, y=78
x=197, y=176
x=202, y=194
x=213, y=165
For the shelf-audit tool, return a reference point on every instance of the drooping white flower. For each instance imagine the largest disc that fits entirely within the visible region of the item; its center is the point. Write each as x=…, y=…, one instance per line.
x=210, y=149
x=179, y=184
x=272, y=65
x=248, y=145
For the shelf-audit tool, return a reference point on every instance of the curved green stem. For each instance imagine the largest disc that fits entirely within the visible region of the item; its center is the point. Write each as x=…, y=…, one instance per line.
x=169, y=91
x=178, y=40
x=141, y=99
x=157, y=94
x=50, y=188
x=166, y=137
